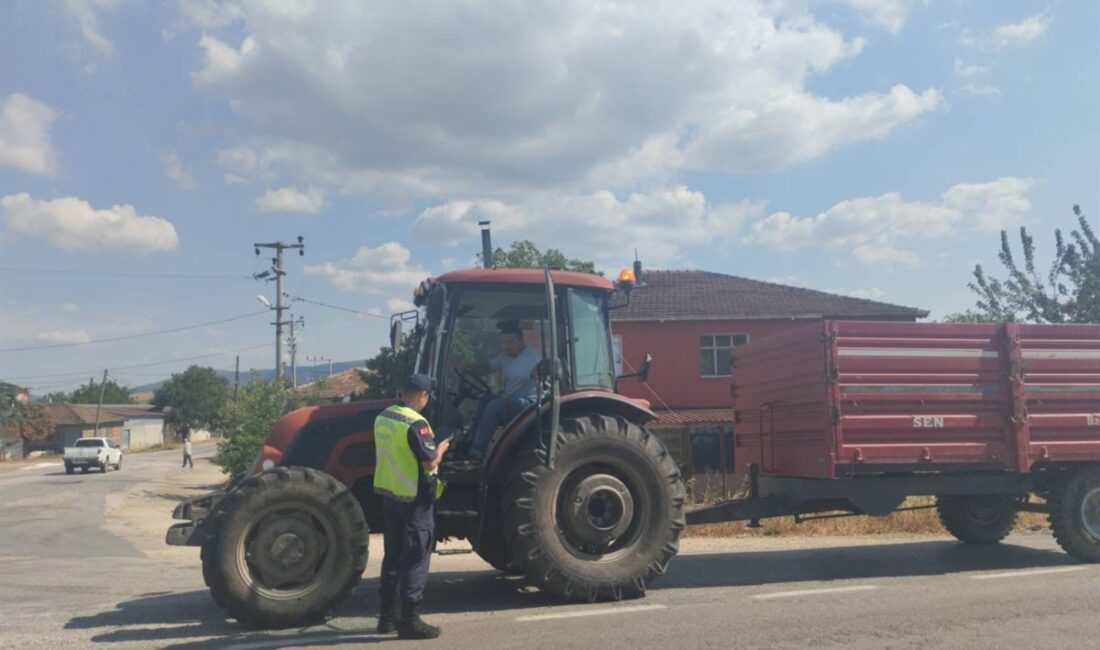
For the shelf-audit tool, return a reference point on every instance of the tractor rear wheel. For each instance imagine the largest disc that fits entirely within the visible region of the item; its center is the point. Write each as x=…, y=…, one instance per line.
x=493, y=546
x=605, y=520
x=284, y=548
x=978, y=519
x=1075, y=515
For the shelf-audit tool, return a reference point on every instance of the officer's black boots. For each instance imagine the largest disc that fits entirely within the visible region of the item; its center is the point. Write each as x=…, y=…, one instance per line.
x=411, y=627
x=387, y=616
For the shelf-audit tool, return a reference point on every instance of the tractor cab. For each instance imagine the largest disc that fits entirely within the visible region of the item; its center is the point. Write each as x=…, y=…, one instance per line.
x=463, y=316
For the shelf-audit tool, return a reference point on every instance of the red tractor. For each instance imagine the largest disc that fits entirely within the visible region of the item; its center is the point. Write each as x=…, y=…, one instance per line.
x=574, y=493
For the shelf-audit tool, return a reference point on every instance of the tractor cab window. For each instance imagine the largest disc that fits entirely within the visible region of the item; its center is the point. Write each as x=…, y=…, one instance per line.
x=474, y=340
x=591, y=349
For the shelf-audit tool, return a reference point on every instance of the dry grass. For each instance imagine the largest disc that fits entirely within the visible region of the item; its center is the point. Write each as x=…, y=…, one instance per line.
x=915, y=522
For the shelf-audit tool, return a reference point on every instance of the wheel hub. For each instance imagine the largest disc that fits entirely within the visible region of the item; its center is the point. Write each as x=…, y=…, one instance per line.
x=984, y=510
x=1090, y=512
x=599, y=510
x=286, y=549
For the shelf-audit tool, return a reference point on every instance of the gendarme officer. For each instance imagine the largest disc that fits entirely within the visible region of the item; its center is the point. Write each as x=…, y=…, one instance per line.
x=405, y=477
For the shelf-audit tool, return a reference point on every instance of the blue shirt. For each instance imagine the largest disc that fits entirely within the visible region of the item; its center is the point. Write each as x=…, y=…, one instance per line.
x=517, y=372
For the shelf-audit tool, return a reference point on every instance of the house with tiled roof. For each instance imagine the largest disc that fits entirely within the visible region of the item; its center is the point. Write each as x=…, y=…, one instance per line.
x=335, y=388
x=74, y=421
x=689, y=321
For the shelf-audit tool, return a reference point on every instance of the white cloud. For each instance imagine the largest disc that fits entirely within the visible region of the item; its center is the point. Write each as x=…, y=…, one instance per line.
x=1010, y=35
x=289, y=199
x=871, y=227
x=220, y=60
x=70, y=307
x=85, y=13
x=379, y=270
x=979, y=90
x=395, y=305
x=72, y=224
x=573, y=94
x=175, y=171
x=25, y=135
x=870, y=293
x=887, y=14
x=210, y=14
x=599, y=226
x=64, y=336
x=968, y=69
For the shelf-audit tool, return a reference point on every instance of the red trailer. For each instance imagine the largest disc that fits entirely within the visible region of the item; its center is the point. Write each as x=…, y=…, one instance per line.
x=856, y=416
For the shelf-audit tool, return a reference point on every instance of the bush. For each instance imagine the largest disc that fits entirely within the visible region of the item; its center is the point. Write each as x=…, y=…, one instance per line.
x=247, y=421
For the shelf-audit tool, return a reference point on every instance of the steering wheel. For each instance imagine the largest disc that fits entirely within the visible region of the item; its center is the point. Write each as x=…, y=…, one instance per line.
x=470, y=386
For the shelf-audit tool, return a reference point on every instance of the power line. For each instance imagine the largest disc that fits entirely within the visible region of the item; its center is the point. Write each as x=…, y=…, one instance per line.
x=352, y=311
x=84, y=373
x=125, y=274
x=133, y=336
x=77, y=375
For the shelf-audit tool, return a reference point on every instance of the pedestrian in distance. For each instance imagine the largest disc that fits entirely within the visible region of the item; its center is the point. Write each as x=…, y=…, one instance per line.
x=187, y=453
x=405, y=476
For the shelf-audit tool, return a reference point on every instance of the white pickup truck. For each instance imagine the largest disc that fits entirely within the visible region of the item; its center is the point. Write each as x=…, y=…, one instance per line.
x=92, y=452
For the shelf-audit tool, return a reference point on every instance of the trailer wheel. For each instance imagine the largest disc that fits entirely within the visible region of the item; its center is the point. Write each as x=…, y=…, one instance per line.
x=284, y=548
x=1075, y=515
x=605, y=520
x=977, y=519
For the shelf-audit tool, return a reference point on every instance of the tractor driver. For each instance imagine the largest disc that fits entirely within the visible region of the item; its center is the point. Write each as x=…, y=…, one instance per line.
x=517, y=364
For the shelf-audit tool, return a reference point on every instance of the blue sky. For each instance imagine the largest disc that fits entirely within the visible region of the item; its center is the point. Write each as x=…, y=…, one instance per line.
x=871, y=148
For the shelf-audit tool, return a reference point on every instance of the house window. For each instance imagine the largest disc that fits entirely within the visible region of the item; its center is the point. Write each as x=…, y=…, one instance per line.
x=714, y=351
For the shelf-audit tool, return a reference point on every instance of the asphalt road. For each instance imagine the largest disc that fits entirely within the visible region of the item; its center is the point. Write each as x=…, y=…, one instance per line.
x=68, y=578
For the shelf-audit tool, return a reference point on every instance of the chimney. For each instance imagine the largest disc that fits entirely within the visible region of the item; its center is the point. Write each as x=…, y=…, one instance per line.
x=486, y=245
x=638, y=272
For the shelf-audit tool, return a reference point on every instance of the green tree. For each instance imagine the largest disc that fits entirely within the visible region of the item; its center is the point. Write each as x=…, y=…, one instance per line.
x=1069, y=292
x=525, y=255
x=197, y=398
x=247, y=420
x=89, y=394
x=386, y=371
x=29, y=420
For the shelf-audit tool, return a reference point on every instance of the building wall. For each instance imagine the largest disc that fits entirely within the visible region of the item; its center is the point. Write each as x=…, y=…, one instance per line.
x=142, y=433
x=675, y=374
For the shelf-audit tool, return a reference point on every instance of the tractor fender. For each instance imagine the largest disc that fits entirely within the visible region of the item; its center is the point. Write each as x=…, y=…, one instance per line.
x=588, y=401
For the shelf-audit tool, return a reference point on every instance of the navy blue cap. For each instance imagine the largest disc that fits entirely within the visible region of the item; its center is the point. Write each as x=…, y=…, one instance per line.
x=419, y=382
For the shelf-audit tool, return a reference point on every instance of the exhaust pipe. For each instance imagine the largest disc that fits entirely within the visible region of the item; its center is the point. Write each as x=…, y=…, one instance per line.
x=486, y=245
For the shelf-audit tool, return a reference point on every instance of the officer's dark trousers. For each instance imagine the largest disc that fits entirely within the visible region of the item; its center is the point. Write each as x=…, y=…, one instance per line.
x=409, y=539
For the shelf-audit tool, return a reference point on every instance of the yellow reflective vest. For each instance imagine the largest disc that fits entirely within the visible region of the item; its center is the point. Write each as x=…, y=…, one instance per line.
x=397, y=470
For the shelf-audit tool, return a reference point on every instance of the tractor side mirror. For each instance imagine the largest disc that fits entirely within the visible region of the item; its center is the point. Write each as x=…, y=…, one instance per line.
x=395, y=335
x=643, y=369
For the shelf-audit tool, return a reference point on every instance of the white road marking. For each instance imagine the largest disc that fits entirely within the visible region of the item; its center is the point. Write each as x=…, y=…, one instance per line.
x=1028, y=572
x=590, y=612
x=291, y=641
x=813, y=592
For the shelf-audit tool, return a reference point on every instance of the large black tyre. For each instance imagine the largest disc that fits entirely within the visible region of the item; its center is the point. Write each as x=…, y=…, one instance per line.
x=285, y=547
x=978, y=520
x=1075, y=514
x=493, y=546
x=605, y=520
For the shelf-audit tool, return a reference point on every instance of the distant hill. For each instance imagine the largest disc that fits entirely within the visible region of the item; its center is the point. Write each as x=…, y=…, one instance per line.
x=305, y=374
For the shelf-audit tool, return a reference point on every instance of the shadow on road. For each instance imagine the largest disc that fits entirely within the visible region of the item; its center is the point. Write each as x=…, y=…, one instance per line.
x=941, y=557
x=191, y=620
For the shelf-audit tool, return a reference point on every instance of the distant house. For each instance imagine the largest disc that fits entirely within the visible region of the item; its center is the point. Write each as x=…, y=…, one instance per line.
x=334, y=388
x=11, y=443
x=690, y=321
x=12, y=393
x=74, y=421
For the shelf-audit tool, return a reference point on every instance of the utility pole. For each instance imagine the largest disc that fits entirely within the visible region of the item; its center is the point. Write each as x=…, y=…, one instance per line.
x=316, y=359
x=99, y=405
x=292, y=343
x=278, y=273
x=237, y=380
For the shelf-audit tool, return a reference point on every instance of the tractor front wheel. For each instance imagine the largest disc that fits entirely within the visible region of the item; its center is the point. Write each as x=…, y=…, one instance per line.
x=602, y=522
x=285, y=547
